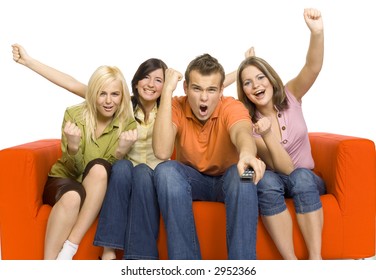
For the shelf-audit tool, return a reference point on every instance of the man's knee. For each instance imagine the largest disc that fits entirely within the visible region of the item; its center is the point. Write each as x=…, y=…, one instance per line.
x=166, y=168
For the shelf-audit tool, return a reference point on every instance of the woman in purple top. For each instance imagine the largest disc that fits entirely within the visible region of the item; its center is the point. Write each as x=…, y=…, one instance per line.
x=283, y=144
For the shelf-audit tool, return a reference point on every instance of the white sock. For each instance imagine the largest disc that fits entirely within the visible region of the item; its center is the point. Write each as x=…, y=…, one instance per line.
x=68, y=251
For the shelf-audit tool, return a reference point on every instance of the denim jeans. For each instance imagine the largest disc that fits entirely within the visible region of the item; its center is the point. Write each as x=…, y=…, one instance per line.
x=113, y=217
x=144, y=216
x=177, y=185
x=302, y=185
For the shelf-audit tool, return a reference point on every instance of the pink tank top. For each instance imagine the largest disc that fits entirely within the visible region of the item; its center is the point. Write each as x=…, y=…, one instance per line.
x=294, y=133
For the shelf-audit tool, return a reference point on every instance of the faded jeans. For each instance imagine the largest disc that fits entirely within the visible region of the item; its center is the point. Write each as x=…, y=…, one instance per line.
x=144, y=216
x=113, y=216
x=302, y=185
x=177, y=185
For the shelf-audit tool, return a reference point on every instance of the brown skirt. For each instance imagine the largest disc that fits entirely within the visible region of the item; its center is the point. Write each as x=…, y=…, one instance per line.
x=55, y=186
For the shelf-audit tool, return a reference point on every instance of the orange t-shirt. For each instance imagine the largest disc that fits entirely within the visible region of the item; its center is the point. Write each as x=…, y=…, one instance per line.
x=207, y=148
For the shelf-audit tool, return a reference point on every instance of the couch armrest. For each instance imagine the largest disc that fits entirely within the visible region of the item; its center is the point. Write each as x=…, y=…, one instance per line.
x=23, y=173
x=347, y=164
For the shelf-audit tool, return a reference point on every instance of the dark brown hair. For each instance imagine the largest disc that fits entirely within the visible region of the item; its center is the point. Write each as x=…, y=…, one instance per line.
x=206, y=65
x=143, y=70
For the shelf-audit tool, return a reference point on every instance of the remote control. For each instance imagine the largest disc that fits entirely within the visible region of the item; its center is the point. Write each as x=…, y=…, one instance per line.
x=248, y=174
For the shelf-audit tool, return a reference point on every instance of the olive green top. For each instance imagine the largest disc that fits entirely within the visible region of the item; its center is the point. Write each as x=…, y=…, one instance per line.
x=72, y=166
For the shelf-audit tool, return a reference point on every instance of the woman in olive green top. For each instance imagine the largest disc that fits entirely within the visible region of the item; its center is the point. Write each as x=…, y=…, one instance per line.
x=95, y=134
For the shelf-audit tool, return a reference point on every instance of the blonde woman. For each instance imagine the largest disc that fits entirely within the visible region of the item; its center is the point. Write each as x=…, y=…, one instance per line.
x=96, y=133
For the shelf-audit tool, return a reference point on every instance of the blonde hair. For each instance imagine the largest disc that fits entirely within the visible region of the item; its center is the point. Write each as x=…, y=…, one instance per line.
x=101, y=76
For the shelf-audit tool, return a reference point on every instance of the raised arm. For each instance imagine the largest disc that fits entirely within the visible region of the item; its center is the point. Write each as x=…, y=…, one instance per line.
x=315, y=55
x=164, y=131
x=231, y=77
x=55, y=76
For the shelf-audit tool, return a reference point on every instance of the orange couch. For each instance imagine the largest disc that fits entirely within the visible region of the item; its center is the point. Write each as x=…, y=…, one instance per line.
x=347, y=164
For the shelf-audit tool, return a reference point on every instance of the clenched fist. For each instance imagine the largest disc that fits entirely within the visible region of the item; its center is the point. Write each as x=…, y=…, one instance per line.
x=263, y=126
x=73, y=135
x=126, y=140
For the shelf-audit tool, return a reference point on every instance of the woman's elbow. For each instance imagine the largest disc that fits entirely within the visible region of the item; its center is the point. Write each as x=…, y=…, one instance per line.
x=162, y=156
x=161, y=153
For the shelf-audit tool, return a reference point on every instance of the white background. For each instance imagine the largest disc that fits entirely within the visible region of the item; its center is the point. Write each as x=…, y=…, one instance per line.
x=78, y=36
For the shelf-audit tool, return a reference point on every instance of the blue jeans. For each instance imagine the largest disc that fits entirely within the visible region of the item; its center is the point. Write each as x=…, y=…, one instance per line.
x=302, y=185
x=144, y=216
x=177, y=185
x=113, y=216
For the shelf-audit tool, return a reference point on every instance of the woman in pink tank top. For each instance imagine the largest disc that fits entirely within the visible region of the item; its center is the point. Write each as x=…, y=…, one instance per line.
x=283, y=144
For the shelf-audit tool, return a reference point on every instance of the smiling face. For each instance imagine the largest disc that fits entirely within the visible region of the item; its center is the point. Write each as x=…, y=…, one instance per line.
x=150, y=87
x=204, y=93
x=257, y=87
x=108, y=100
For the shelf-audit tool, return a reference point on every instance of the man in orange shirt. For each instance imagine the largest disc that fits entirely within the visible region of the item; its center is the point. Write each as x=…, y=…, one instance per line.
x=214, y=146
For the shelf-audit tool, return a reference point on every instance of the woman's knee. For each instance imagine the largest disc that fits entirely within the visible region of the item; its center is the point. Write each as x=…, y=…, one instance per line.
x=71, y=201
x=270, y=182
x=302, y=180
x=301, y=174
x=271, y=194
x=122, y=166
x=98, y=169
x=142, y=170
x=142, y=180
x=98, y=172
